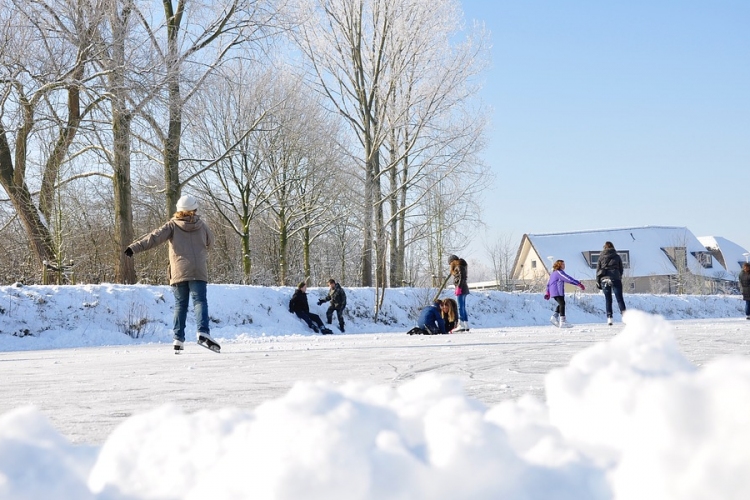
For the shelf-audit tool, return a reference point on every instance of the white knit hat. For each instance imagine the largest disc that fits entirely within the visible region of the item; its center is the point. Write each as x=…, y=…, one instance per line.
x=187, y=203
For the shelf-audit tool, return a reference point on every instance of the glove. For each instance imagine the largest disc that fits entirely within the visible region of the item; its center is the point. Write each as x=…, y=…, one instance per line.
x=582, y=287
x=321, y=301
x=598, y=285
x=129, y=252
x=546, y=296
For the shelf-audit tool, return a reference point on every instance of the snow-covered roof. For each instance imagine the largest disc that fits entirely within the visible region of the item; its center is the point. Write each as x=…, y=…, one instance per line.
x=644, y=246
x=731, y=253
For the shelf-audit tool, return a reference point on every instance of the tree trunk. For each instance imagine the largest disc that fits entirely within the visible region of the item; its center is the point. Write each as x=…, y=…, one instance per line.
x=12, y=180
x=306, y=252
x=283, y=243
x=125, y=268
x=125, y=271
x=368, y=211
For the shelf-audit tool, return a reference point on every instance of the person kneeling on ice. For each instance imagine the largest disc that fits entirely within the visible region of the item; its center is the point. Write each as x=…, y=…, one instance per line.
x=430, y=320
x=449, y=312
x=189, y=240
x=298, y=305
x=556, y=290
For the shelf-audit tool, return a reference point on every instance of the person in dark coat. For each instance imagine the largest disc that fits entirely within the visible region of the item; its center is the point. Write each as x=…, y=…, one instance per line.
x=337, y=296
x=459, y=273
x=745, y=287
x=449, y=312
x=609, y=272
x=430, y=320
x=299, y=306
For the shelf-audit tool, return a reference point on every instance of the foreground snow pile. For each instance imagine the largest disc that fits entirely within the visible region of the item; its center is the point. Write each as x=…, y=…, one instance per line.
x=626, y=419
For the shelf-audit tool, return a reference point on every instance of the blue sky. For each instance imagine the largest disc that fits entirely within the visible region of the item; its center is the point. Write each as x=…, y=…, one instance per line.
x=617, y=113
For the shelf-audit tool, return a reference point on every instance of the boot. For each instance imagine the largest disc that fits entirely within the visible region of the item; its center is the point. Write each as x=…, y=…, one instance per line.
x=461, y=326
x=563, y=323
x=555, y=319
x=609, y=320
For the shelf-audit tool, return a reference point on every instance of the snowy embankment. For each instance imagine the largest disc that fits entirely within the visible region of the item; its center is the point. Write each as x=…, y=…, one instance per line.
x=48, y=317
x=627, y=418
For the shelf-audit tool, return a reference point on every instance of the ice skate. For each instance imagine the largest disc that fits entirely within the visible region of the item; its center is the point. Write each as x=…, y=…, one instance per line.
x=609, y=321
x=555, y=319
x=461, y=327
x=207, y=341
x=563, y=323
x=178, y=346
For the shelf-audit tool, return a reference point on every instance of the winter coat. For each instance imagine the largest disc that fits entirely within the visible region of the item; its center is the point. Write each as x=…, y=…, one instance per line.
x=298, y=302
x=449, y=325
x=189, y=241
x=556, y=283
x=337, y=296
x=609, y=266
x=745, y=285
x=458, y=270
x=430, y=317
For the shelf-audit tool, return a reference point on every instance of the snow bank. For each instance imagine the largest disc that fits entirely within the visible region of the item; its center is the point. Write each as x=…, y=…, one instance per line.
x=628, y=419
x=48, y=317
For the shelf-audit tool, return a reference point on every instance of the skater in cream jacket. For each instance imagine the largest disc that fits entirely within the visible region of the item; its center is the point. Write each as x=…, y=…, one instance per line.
x=189, y=240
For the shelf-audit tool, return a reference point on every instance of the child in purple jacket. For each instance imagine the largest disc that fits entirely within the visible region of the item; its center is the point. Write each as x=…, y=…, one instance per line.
x=556, y=290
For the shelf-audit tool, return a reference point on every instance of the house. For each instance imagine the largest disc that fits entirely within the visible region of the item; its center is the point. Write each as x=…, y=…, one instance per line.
x=657, y=259
x=729, y=254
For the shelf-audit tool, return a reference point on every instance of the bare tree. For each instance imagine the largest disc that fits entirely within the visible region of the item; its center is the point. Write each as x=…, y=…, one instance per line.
x=384, y=67
x=502, y=253
x=345, y=41
x=41, y=78
x=229, y=167
x=214, y=30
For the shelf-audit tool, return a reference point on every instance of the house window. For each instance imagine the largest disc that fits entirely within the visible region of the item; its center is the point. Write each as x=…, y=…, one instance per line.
x=592, y=258
x=625, y=256
x=677, y=256
x=704, y=258
x=533, y=264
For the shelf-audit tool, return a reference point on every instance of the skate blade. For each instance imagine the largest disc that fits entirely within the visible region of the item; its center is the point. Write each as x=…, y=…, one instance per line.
x=211, y=347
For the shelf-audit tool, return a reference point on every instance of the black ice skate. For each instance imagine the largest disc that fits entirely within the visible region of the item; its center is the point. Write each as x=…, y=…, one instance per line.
x=205, y=340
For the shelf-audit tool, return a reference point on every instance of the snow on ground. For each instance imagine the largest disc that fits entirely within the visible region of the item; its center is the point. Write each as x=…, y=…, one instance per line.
x=96, y=405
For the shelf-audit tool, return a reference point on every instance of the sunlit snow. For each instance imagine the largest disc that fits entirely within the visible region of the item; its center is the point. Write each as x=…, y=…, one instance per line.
x=656, y=408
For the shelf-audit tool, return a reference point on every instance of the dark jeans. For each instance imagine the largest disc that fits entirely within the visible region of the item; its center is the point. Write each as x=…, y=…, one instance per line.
x=560, y=309
x=609, y=286
x=747, y=308
x=430, y=329
x=312, y=320
x=339, y=313
x=182, y=293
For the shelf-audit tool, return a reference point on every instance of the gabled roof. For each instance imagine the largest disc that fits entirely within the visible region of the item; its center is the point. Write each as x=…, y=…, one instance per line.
x=731, y=254
x=644, y=245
